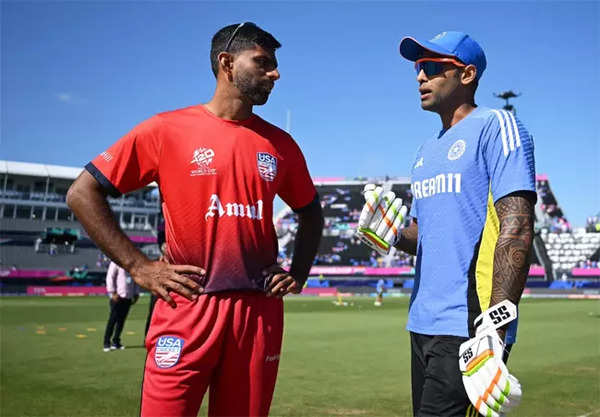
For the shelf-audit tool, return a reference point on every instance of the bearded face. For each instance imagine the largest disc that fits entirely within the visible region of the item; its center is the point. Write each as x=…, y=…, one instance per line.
x=254, y=74
x=255, y=88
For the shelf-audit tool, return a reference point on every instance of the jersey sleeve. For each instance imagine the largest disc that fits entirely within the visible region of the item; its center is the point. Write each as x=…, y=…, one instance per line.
x=130, y=163
x=508, y=154
x=297, y=188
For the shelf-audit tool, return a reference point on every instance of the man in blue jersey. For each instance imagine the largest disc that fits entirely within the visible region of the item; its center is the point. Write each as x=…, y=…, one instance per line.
x=473, y=186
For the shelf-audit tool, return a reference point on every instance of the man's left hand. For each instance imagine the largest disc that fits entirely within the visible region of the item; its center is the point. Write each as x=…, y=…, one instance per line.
x=491, y=388
x=279, y=282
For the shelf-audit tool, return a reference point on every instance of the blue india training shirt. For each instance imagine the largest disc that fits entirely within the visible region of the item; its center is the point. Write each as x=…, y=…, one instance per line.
x=456, y=179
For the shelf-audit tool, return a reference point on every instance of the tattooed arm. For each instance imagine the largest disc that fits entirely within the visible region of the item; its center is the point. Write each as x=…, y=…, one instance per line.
x=511, y=257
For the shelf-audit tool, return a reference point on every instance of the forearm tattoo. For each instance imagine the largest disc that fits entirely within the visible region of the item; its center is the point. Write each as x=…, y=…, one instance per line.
x=511, y=257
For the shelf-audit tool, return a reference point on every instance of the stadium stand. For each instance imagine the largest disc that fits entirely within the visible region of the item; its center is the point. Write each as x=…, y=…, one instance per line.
x=593, y=224
x=42, y=246
x=552, y=213
x=342, y=202
x=560, y=251
x=570, y=250
x=41, y=241
x=566, y=248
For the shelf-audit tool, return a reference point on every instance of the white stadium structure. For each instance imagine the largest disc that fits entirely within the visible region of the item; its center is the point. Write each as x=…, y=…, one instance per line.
x=44, y=250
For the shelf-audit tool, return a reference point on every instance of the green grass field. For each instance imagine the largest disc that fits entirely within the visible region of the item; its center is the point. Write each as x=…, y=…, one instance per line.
x=336, y=361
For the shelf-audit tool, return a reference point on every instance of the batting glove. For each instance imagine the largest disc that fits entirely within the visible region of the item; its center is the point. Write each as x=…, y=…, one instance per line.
x=380, y=219
x=492, y=390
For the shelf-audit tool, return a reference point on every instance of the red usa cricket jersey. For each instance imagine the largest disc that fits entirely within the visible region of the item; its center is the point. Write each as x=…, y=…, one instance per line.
x=217, y=179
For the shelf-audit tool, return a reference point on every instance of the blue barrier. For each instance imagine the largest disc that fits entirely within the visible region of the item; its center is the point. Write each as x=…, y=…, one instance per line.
x=409, y=283
x=561, y=285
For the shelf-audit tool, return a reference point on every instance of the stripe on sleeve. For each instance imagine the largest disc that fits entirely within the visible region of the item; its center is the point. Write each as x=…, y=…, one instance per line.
x=509, y=128
x=515, y=128
x=502, y=132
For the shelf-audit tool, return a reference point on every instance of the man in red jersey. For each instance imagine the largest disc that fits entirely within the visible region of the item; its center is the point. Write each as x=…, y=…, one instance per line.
x=218, y=322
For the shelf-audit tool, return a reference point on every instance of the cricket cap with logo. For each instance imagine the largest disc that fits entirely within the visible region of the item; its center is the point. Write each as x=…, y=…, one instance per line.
x=449, y=44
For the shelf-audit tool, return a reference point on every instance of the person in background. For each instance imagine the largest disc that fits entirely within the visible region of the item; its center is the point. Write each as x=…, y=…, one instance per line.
x=123, y=292
x=380, y=289
x=162, y=246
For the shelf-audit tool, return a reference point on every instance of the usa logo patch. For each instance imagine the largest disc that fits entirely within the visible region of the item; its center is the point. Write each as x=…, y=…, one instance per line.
x=267, y=165
x=167, y=352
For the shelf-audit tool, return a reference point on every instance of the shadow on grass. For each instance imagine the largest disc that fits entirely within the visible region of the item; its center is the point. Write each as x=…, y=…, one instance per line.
x=135, y=347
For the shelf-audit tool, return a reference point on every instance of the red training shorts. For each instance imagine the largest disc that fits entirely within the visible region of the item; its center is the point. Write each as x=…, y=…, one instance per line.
x=228, y=341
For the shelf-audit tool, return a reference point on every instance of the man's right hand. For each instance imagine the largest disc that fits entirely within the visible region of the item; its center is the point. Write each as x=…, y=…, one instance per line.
x=161, y=278
x=381, y=219
x=115, y=297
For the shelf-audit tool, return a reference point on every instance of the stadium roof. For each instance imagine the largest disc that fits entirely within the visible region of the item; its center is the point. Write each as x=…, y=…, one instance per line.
x=70, y=173
x=39, y=170
x=358, y=181
x=43, y=170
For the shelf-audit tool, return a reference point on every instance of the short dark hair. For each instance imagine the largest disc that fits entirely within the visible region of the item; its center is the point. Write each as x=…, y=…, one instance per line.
x=247, y=35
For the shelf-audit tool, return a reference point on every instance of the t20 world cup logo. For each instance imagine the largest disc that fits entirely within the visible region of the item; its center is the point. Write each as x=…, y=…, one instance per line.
x=203, y=158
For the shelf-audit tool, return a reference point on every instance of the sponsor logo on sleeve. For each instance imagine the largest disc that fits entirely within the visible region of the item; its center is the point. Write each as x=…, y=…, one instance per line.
x=267, y=165
x=167, y=351
x=419, y=163
x=457, y=150
x=203, y=157
x=106, y=156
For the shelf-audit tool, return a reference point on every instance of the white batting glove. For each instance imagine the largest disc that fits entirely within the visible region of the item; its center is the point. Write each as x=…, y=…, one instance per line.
x=492, y=390
x=380, y=219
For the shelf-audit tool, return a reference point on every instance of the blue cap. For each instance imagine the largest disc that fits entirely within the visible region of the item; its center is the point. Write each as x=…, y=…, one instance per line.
x=452, y=44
